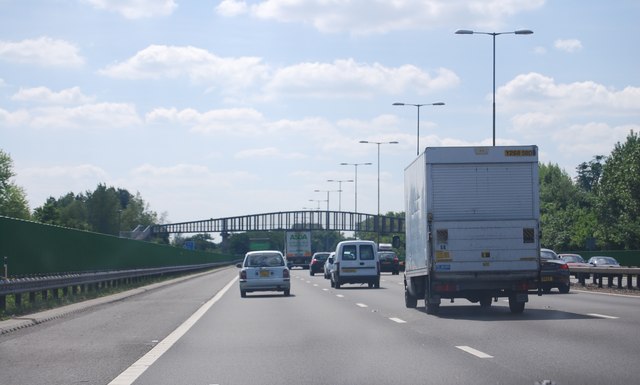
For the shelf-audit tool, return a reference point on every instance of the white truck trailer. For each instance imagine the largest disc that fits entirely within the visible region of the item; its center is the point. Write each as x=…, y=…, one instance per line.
x=298, y=248
x=472, y=225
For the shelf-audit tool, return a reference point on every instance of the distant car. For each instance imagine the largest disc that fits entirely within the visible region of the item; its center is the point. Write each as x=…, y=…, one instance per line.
x=389, y=262
x=575, y=260
x=554, y=272
x=356, y=261
x=602, y=261
x=328, y=264
x=264, y=271
x=317, y=262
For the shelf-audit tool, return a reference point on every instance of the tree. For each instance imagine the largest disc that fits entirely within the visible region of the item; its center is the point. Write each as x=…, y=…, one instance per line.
x=13, y=199
x=589, y=173
x=618, y=196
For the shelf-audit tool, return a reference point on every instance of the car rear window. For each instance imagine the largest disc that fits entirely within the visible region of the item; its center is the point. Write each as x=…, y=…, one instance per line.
x=349, y=253
x=265, y=260
x=366, y=252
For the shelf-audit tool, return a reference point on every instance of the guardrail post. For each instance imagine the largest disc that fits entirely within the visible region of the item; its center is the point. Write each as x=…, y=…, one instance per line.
x=3, y=302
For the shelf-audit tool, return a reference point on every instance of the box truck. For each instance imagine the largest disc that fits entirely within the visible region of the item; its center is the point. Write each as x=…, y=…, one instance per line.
x=472, y=226
x=298, y=248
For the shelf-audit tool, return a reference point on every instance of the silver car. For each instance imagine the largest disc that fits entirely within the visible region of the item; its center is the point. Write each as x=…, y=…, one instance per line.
x=328, y=264
x=264, y=271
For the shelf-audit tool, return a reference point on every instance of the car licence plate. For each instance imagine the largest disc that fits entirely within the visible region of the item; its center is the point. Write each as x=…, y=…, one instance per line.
x=348, y=270
x=264, y=273
x=547, y=279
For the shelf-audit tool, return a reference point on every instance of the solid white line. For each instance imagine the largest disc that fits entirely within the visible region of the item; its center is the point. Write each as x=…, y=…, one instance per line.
x=361, y=305
x=602, y=316
x=137, y=368
x=398, y=320
x=473, y=351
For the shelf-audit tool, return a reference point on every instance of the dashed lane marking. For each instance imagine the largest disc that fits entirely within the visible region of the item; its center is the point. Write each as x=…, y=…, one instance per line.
x=398, y=320
x=361, y=305
x=474, y=352
x=602, y=316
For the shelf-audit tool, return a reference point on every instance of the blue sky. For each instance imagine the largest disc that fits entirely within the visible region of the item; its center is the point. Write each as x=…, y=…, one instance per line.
x=211, y=109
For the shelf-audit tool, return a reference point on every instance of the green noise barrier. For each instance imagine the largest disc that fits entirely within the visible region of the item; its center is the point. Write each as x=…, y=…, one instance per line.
x=34, y=248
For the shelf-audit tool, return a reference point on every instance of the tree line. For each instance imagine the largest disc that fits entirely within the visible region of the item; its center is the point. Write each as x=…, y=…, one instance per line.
x=597, y=210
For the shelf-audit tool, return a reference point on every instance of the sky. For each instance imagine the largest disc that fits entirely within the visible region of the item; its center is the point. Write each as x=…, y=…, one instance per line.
x=213, y=109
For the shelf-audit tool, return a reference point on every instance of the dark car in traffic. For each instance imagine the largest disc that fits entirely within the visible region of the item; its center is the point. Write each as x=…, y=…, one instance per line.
x=575, y=260
x=389, y=262
x=317, y=262
x=603, y=261
x=554, y=272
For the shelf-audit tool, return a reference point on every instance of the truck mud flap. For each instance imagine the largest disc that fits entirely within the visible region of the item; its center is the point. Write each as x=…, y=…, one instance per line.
x=521, y=297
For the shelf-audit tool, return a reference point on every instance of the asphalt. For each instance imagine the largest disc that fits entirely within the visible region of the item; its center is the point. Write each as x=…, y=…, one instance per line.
x=28, y=320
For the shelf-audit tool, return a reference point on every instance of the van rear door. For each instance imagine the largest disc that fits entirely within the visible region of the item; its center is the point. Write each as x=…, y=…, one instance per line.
x=358, y=260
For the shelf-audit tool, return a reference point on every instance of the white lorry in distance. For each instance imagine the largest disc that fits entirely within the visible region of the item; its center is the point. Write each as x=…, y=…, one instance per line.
x=298, y=248
x=472, y=225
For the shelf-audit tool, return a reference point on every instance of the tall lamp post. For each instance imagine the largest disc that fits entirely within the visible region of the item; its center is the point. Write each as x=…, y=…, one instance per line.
x=378, y=143
x=494, y=34
x=318, y=202
x=356, y=179
x=339, y=181
x=418, y=129
x=327, y=191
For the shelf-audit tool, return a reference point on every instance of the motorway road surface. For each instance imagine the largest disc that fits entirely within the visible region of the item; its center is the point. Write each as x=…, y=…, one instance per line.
x=200, y=332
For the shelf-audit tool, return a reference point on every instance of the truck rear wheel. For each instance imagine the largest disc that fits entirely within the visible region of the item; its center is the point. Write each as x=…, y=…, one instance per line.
x=410, y=301
x=432, y=308
x=515, y=306
x=485, y=302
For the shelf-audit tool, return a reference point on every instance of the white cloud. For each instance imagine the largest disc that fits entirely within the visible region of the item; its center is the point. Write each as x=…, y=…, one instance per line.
x=348, y=79
x=344, y=78
x=268, y=152
x=43, y=51
x=45, y=95
x=536, y=92
x=199, y=65
x=86, y=116
x=231, y=8
x=568, y=45
x=136, y=9
x=372, y=17
x=241, y=121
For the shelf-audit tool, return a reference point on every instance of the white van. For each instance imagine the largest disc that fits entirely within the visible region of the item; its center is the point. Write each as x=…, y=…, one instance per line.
x=356, y=262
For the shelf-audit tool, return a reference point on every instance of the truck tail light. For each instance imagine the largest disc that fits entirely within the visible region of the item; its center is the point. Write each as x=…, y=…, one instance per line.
x=444, y=287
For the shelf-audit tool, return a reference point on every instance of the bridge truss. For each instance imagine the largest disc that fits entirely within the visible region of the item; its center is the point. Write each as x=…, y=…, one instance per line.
x=289, y=220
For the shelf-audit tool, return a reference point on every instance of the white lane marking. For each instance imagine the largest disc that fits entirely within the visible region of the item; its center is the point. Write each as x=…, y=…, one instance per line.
x=315, y=284
x=361, y=305
x=473, y=351
x=134, y=371
x=339, y=295
x=398, y=320
x=325, y=289
x=602, y=316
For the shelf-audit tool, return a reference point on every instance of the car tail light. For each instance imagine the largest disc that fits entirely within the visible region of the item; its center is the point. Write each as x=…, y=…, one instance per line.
x=285, y=273
x=445, y=287
x=243, y=274
x=564, y=267
x=395, y=259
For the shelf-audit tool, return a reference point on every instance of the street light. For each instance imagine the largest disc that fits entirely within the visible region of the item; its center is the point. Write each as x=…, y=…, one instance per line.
x=340, y=190
x=318, y=202
x=378, y=143
x=327, y=191
x=356, y=179
x=418, y=130
x=494, y=34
